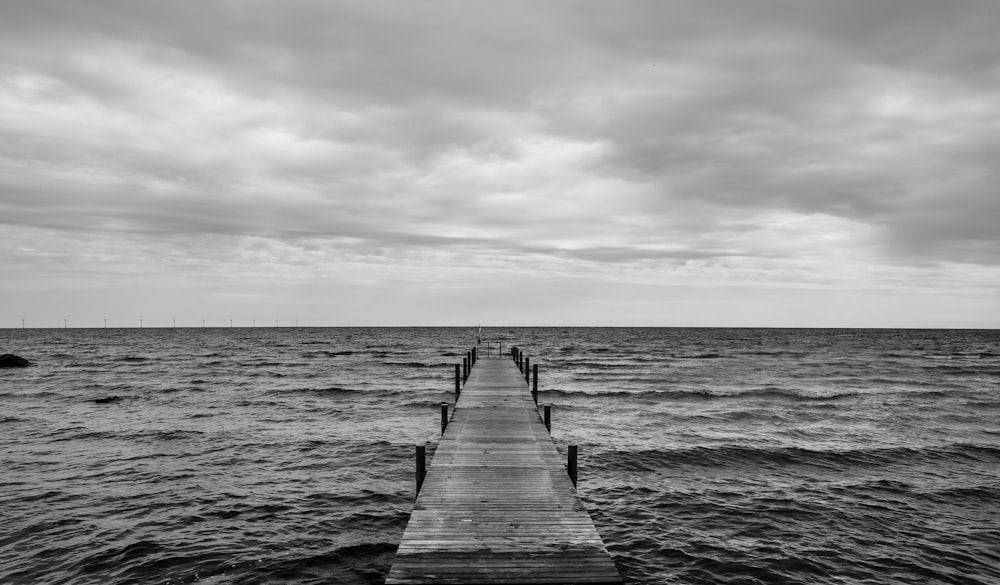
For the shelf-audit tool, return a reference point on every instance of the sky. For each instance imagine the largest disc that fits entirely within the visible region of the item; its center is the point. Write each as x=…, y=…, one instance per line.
x=762, y=163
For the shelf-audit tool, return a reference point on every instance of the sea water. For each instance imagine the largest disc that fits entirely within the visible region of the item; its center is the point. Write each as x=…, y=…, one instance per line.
x=285, y=455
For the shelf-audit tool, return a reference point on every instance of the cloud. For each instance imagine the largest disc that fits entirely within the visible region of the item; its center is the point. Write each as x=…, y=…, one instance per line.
x=773, y=142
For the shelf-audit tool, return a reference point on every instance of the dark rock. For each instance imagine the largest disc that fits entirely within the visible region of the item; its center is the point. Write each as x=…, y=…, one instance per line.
x=108, y=399
x=9, y=360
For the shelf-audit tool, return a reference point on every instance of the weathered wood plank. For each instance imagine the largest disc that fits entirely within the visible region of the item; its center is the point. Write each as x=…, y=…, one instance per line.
x=497, y=505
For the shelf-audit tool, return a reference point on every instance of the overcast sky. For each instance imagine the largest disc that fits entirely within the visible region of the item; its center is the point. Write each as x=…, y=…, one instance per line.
x=696, y=162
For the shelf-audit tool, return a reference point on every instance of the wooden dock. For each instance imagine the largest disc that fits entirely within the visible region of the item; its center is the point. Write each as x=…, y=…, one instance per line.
x=497, y=504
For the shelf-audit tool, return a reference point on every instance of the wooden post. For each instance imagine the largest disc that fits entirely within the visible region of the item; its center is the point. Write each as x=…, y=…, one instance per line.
x=527, y=370
x=572, y=464
x=458, y=382
x=548, y=418
x=468, y=356
x=465, y=369
x=520, y=360
x=475, y=355
x=421, y=467
x=534, y=384
x=444, y=416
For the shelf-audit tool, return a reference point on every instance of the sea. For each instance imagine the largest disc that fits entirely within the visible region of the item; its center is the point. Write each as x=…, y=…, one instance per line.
x=707, y=456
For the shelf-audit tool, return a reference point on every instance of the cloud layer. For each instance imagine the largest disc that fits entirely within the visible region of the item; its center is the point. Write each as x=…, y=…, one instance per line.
x=378, y=146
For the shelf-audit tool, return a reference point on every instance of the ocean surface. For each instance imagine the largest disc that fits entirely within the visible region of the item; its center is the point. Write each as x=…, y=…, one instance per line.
x=285, y=455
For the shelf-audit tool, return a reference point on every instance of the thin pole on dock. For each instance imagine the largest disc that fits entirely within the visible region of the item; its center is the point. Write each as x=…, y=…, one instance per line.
x=421, y=460
x=444, y=416
x=571, y=463
x=465, y=369
x=527, y=369
x=458, y=381
x=548, y=418
x=534, y=384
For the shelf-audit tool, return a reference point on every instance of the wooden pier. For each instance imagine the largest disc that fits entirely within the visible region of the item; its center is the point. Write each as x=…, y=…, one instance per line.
x=497, y=504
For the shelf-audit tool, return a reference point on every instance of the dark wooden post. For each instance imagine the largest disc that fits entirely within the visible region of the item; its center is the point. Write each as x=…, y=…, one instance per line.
x=468, y=356
x=527, y=370
x=475, y=355
x=465, y=369
x=444, y=416
x=520, y=360
x=572, y=464
x=534, y=383
x=421, y=466
x=458, y=381
x=548, y=418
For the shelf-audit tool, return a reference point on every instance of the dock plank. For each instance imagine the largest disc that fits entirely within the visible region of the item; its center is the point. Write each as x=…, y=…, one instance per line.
x=497, y=505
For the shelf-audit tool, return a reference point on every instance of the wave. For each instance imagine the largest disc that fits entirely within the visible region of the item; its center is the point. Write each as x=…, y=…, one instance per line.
x=418, y=365
x=327, y=353
x=742, y=456
x=777, y=353
x=13, y=419
x=623, y=366
x=696, y=356
x=328, y=392
x=768, y=392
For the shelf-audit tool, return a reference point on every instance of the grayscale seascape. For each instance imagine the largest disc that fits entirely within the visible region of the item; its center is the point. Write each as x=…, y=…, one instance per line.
x=285, y=455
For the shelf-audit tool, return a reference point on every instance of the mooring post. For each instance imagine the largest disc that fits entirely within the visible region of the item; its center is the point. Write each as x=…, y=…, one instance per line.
x=520, y=360
x=527, y=370
x=458, y=382
x=468, y=356
x=421, y=467
x=465, y=369
x=548, y=418
x=444, y=416
x=475, y=355
x=534, y=384
x=572, y=464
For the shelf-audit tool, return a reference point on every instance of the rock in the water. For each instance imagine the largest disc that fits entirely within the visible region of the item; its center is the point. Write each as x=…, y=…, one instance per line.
x=9, y=360
x=108, y=399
